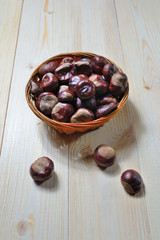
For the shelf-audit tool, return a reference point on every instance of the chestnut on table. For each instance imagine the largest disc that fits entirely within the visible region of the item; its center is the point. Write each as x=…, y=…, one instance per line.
x=131, y=181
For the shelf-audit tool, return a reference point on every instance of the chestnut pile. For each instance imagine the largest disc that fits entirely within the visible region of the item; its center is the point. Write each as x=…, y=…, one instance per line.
x=78, y=90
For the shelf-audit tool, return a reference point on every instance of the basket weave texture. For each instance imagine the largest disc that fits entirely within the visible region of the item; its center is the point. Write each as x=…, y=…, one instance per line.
x=70, y=128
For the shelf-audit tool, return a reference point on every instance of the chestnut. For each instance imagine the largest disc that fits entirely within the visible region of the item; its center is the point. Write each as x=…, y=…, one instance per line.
x=49, y=82
x=85, y=89
x=64, y=72
x=45, y=102
x=42, y=169
x=83, y=67
x=66, y=96
x=100, y=84
x=89, y=104
x=131, y=181
x=74, y=80
x=67, y=60
x=108, y=70
x=62, y=88
x=98, y=64
x=118, y=85
x=104, y=110
x=48, y=67
x=104, y=155
x=35, y=88
x=62, y=112
x=82, y=115
x=106, y=99
x=89, y=60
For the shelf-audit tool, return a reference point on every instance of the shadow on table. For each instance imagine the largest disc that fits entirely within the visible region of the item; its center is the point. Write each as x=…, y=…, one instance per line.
x=122, y=136
x=51, y=184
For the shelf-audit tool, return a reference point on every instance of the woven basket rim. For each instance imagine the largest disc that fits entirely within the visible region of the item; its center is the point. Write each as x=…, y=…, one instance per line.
x=52, y=122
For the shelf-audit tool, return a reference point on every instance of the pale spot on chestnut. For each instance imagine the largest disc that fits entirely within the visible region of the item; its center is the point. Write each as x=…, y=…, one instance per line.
x=42, y=169
x=82, y=115
x=45, y=102
x=62, y=112
x=104, y=155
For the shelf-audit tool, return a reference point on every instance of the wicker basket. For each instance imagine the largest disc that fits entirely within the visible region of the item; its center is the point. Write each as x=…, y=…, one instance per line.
x=70, y=128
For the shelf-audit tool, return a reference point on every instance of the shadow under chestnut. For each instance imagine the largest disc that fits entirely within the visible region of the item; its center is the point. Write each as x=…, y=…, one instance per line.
x=52, y=184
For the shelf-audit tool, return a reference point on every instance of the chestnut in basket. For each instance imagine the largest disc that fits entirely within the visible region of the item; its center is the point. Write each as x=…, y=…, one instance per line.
x=131, y=181
x=118, y=85
x=74, y=80
x=106, y=99
x=104, y=110
x=49, y=82
x=62, y=112
x=108, y=70
x=104, y=155
x=85, y=89
x=89, y=60
x=62, y=88
x=45, y=102
x=89, y=104
x=67, y=60
x=66, y=96
x=35, y=88
x=100, y=84
x=98, y=64
x=64, y=72
x=48, y=67
x=82, y=115
x=83, y=67
x=42, y=169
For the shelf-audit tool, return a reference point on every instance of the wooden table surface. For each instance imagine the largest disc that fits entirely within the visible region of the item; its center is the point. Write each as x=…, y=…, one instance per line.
x=83, y=202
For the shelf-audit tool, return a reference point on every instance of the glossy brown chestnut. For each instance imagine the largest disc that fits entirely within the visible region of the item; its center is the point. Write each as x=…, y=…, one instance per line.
x=89, y=104
x=42, y=169
x=85, y=89
x=82, y=115
x=67, y=60
x=45, y=102
x=104, y=110
x=89, y=60
x=100, y=84
x=104, y=155
x=74, y=80
x=49, y=82
x=106, y=100
x=118, y=85
x=64, y=72
x=66, y=96
x=108, y=70
x=48, y=67
x=131, y=181
x=83, y=67
x=98, y=64
x=35, y=88
x=62, y=112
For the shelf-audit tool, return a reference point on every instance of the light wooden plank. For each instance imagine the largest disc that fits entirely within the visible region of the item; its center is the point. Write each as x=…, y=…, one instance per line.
x=10, y=13
x=29, y=211
x=139, y=30
x=99, y=208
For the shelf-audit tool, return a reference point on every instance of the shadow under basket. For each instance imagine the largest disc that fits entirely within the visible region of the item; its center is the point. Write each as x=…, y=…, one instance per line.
x=70, y=128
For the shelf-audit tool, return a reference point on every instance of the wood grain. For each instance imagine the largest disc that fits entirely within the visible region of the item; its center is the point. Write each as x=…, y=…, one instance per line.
x=81, y=201
x=10, y=13
x=140, y=43
x=28, y=210
x=97, y=203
